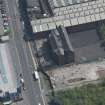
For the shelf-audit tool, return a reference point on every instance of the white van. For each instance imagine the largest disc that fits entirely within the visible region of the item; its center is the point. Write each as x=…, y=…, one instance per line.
x=35, y=75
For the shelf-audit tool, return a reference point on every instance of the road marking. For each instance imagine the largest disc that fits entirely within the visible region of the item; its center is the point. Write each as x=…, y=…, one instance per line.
x=41, y=91
x=34, y=62
x=35, y=66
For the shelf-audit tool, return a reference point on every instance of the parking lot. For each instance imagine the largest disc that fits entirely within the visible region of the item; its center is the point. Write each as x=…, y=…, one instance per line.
x=3, y=18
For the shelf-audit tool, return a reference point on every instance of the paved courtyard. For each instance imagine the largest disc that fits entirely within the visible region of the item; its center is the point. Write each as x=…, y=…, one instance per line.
x=75, y=74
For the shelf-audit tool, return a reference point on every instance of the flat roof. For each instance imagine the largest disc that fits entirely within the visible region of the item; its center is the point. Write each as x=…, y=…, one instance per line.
x=8, y=81
x=72, y=15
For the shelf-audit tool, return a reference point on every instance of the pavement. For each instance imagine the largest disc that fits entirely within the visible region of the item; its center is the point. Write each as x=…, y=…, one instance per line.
x=75, y=74
x=22, y=55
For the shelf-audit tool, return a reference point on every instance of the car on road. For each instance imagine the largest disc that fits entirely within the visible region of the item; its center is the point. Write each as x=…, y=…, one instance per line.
x=3, y=11
x=5, y=18
x=5, y=24
x=22, y=83
x=4, y=15
x=35, y=75
x=39, y=103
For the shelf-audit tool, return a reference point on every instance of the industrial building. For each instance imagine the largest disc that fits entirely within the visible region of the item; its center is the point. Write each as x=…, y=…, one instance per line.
x=72, y=15
x=8, y=81
x=79, y=18
x=9, y=85
x=63, y=3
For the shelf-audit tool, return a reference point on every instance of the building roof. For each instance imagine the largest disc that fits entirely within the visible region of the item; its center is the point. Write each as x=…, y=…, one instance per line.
x=8, y=81
x=60, y=3
x=71, y=16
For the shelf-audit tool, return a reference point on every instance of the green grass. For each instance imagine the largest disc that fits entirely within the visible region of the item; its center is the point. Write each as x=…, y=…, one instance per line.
x=85, y=95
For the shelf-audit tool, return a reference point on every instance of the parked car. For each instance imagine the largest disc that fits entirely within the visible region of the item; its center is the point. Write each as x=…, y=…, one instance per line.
x=3, y=11
x=4, y=15
x=6, y=29
x=5, y=24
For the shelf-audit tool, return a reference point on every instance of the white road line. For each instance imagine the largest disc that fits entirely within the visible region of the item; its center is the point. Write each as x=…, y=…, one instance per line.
x=41, y=92
x=34, y=62
x=35, y=66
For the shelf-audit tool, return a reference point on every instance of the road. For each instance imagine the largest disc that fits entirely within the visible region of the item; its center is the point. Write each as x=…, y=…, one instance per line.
x=24, y=57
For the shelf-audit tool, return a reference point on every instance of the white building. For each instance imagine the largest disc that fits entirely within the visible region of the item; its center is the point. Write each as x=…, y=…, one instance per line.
x=8, y=81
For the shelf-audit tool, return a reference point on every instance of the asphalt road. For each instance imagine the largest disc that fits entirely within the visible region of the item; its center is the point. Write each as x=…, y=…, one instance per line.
x=32, y=94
